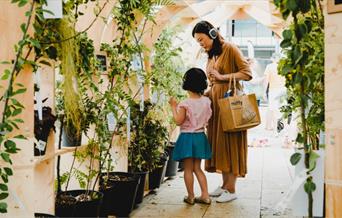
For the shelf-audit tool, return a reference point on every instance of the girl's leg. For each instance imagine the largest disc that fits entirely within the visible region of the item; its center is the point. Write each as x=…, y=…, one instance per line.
x=202, y=179
x=189, y=177
x=229, y=181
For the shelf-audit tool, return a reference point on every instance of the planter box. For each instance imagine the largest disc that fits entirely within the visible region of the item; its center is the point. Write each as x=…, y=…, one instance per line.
x=300, y=200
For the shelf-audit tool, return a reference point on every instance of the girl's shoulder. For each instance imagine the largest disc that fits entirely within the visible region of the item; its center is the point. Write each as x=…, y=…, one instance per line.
x=205, y=99
x=195, y=101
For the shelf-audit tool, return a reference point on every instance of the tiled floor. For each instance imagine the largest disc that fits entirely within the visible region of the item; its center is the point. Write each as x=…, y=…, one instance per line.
x=269, y=177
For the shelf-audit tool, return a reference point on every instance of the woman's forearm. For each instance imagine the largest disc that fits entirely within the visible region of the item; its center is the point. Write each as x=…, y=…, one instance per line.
x=238, y=76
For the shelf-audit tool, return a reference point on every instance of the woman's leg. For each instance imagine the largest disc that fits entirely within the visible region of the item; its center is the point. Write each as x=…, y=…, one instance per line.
x=202, y=179
x=189, y=176
x=229, y=181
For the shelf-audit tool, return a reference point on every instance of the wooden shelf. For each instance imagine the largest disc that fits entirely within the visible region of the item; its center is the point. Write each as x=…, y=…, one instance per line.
x=40, y=159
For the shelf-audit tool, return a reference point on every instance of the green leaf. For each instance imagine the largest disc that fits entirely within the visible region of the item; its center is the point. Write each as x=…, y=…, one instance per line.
x=302, y=30
x=3, y=187
x=47, y=11
x=20, y=137
x=6, y=74
x=35, y=43
x=295, y=158
x=18, y=120
x=8, y=171
x=19, y=91
x=3, y=195
x=28, y=13
x=17, y=103
x=285, y=43
x=10, y=144
x=4, y=177
x=287, y=34
x=304, y=5
x=297, y=55
x=3, y=207
x=22, y=3
x=16, y=111
x=6, y=157
x=313, y=156
x=276, y=3
x=309, y=187
x=292, y=5
x=23, y=27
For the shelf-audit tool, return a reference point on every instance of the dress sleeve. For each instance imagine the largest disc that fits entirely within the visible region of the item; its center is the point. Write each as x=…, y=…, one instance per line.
x=188, y=111
x=240, y=62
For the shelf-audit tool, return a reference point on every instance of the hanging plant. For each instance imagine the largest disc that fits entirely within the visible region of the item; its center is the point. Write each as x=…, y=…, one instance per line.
x=69, y=57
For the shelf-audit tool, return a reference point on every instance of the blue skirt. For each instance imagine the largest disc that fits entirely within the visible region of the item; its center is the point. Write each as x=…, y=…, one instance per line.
x=192, y=145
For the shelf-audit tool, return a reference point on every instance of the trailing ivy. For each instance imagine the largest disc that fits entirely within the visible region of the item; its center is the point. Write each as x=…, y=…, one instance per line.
x=303, y=68
x=11, y=106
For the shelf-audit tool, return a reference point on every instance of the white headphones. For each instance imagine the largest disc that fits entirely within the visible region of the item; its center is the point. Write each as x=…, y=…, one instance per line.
x=213, y=33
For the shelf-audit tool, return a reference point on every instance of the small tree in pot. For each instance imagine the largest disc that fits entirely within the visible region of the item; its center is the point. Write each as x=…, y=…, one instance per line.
x=149, y=138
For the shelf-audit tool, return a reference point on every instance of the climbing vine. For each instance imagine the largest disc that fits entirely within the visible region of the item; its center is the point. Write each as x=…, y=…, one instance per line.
x=303, y=68
x=49, y=42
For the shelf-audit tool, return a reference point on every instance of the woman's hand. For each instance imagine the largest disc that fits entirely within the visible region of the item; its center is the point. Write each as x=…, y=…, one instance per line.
x=214, y=75
x=173, y=102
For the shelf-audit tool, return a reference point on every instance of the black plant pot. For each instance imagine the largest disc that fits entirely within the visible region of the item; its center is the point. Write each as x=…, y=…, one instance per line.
x=42, y=130
x=70, y=138
x=181, y=165
x=140, y=192
x=119, y=194
x=172, y=166
x=156, y=177
x=43, y=215
x=79, y=208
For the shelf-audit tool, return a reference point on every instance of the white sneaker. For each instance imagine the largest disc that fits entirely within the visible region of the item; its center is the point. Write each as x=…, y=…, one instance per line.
x=218, y=191
x=226, y=196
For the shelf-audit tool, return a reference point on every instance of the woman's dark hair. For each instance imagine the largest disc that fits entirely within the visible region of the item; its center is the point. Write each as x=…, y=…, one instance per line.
x=195, y=80
x=205, y=27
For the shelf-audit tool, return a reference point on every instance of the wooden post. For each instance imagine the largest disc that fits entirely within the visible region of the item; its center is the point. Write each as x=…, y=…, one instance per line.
x=333, y=110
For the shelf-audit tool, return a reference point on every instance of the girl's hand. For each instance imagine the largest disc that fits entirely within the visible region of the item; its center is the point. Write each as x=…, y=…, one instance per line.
x=173, y=102
x=215, y=75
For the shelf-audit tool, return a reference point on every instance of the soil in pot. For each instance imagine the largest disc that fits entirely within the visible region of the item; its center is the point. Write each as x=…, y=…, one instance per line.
x=43, y=215
x=77, y=203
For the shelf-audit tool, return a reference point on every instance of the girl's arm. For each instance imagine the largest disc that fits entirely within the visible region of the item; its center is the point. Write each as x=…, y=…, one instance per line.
x=178, y=115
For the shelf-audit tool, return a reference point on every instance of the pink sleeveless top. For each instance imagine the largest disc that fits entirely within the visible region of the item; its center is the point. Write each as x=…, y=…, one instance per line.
x=198, y=112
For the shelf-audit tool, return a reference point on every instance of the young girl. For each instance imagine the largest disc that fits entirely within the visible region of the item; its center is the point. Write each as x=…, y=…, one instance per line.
x=192, y=144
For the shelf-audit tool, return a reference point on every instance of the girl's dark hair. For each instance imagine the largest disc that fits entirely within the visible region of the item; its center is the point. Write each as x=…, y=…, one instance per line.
x=195, y=80
x=205, y=27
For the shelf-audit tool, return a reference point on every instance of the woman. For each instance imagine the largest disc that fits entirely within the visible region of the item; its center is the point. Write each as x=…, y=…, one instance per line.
x=229, y=150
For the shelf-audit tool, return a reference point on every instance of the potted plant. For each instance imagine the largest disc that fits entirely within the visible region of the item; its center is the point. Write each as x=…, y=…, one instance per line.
x=147, y=143
x=84, y=202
